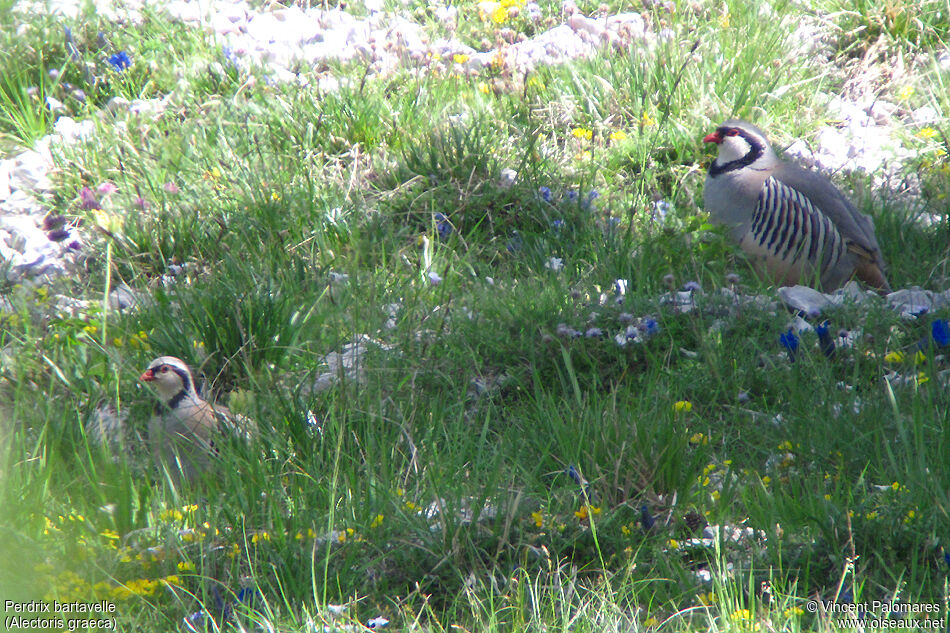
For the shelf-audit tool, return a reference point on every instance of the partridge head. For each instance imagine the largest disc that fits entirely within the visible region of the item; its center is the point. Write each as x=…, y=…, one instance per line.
x=797, y=227
x=184, y=427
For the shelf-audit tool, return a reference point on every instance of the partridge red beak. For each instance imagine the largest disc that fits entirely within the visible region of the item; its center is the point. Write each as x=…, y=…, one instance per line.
x=713, y=137
x=147, y=376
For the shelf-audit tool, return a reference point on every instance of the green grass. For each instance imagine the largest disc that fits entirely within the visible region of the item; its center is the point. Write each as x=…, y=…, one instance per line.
x=430, y=485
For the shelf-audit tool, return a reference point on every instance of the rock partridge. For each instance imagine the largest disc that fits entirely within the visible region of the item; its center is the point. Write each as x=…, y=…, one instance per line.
x=794, y=224
x=184, y=428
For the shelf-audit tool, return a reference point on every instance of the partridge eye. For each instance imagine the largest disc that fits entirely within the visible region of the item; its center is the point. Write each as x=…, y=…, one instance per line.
x=732, y=132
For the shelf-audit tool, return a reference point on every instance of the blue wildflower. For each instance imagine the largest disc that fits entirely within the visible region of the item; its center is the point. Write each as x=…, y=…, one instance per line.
x=692, y=286
x=825, y=341
x=572, y=195
x=790, y=342
x=229, y=56
x=650, y=326
x=589, y=201
x=946, y=557
x=647, y=521
x=574, y=475
x=247, y=596
x=557, y=224
x=545, y=193
x=71, y=45
x=659, y=210
x=443, y=226
x=120, y=61
x=940, y=330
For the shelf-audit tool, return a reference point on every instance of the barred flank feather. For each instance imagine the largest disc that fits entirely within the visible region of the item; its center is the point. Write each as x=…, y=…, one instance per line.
x=788, y=228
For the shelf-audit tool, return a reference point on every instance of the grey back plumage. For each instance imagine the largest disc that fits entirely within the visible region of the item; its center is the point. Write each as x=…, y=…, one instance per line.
x=794, y=223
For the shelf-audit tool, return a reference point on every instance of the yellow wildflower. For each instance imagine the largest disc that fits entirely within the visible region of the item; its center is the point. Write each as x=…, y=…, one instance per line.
x=905, y=93
x=682, y=406
x=460, y=58
x=538, y=519
x=618, y=135
x=697, y=439
x=740, y=615
x=927, y=132
x=646, y=120
x=894, y=357
x=377, y=521
x=582, y=133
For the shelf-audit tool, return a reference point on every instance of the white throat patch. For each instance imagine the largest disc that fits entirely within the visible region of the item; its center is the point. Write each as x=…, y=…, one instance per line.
x=732, y=148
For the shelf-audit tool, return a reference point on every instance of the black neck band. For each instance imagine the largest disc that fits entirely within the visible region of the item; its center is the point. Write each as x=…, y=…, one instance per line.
x=755, y=152
x=176, y=399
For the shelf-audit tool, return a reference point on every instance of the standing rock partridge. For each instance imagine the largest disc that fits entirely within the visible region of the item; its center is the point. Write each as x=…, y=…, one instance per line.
x=183, y=429
x=794, y=224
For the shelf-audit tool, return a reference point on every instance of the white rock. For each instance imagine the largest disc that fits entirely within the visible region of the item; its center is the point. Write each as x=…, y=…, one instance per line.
x=20, y=202
x=71, y=130
x=805, y=299
x=6, y=173
x=912, y=301
x=31, y=171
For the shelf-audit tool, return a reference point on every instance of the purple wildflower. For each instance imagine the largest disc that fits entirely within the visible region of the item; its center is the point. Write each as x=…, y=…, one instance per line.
x=88, y=200
x=57, y=235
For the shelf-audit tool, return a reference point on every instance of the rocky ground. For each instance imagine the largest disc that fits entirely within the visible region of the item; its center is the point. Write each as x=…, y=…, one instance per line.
x=866, y=134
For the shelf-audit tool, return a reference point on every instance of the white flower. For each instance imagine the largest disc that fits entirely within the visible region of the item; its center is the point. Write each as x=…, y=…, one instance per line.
x=508, y=177
x=434, y=278
x=554, y=263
